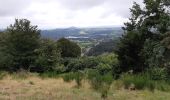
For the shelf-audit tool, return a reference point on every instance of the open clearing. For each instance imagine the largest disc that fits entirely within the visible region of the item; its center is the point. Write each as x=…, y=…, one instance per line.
x=36, y=88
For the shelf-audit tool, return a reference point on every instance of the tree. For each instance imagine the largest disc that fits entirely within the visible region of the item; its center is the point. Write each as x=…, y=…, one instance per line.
x=68, y=48
x=48, y=56
x=147, y=23
x=19, y=45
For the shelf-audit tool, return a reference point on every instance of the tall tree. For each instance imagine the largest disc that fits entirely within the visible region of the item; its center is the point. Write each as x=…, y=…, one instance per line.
x=145, y=23
x=22, y=39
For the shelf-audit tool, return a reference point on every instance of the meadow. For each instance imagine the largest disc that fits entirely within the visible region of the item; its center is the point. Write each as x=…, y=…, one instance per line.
x=33, y=87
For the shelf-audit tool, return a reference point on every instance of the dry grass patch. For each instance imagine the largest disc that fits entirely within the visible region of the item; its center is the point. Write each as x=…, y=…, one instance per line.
x=36, y=88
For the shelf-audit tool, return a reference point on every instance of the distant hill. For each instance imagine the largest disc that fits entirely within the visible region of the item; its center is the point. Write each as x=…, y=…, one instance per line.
x=103, y=47
x=94, y=33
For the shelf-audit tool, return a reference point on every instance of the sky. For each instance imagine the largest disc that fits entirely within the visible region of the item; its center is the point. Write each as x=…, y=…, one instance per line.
x=49, y=14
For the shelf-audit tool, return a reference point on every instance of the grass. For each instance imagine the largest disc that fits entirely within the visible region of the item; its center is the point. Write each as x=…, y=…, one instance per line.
x=143, y=81
x=36, y=88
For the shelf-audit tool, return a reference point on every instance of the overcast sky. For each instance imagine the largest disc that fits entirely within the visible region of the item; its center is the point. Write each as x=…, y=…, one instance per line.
x=48, y=14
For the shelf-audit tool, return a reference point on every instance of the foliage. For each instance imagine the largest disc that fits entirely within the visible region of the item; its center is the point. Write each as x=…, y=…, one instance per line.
x=166, y=43
x=77, y=76
x=140, y=81
x=144, y=81
x=157, y=73
x=145, y=23
x=68, y=48
x=128, y=52
x=153, y=53
x=48, y=57
x=68, y=77
x=105, y=63
x=103, y=68
x=75, y=65
x=100, y=82
x=18, y=45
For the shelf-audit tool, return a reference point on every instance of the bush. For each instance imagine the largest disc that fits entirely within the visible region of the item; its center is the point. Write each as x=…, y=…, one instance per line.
x=103, y=68
x=48, y=56
x=140, y=81
x=68, y=77
x=158, y=73
x=100, y=83
x=77, y=76
x=95, y=79
x=75, y=65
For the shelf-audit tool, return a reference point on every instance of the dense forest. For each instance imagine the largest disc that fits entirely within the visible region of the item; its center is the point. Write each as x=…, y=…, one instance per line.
x=140, y=57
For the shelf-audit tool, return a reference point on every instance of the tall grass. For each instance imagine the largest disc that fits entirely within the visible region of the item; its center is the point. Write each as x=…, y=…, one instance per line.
x=140, y=81
x=51, y=74
x=21, y=74
x=144, y=81
x=77, y=76
x=2, y=74
x=100, y=83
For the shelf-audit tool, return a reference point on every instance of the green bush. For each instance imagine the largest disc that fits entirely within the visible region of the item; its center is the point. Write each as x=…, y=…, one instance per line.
x=127, y=81
x=99, y=82
x=47, y=57
x=68, y=77
x=140, y=81
x=95, y=79
x=158, y=73
x=77, y=76
x=103, y=68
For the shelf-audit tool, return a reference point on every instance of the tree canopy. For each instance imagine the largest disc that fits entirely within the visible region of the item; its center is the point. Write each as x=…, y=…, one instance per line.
x=148, y=23
x=68, y=48
x=19, y=42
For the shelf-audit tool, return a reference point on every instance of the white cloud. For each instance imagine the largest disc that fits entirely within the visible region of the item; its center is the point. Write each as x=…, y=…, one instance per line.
x=65, y=13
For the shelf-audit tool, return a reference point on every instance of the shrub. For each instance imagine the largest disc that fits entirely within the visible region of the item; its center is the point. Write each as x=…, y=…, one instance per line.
x=100, y=83
x=78, y=78
x=103, y=68
x=47, y=56
x=158, y=73
x=127, y=81
x=68, y=77
x=140, y=81
x=75, y=65
x=95, y=79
